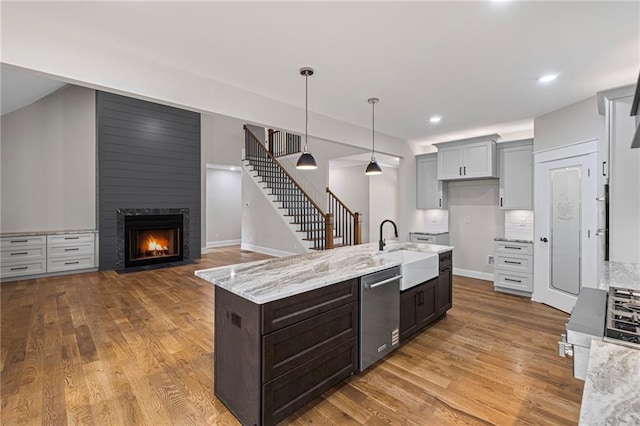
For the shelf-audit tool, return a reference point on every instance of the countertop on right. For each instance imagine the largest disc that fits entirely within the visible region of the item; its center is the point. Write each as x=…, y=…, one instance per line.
x=612, y=387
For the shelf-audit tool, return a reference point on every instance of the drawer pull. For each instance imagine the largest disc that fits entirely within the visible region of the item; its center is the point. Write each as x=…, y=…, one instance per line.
x=21, y=268
x=20, y=253
x=71, y=238
x=513, y=248
x=512, y=262
x=72, y=249
x=72, y=263
x=424, y=239
x=513, y=281
x=19, y=241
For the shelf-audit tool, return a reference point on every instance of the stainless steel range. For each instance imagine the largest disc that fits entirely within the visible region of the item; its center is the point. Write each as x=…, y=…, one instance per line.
x=598, y=314
x=623, y=317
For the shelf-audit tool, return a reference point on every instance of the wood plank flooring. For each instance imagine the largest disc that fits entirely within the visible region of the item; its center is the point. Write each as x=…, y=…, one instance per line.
x=103, y=348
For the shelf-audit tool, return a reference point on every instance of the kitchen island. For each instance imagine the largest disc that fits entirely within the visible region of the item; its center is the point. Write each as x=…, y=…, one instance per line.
x=287, y=329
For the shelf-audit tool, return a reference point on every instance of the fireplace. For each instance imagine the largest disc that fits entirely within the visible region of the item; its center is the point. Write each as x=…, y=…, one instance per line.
x=152, y=237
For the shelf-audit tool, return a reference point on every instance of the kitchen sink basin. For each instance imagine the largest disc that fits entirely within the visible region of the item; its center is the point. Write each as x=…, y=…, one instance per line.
x=416, y=267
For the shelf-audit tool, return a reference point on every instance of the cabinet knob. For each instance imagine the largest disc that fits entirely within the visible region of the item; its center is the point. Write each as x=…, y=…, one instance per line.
x=544, y=239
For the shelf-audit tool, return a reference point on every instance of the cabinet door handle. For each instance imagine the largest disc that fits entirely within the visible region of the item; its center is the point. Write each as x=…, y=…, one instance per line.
x=465, y=170
x=512, y=263
x=72, y=263
x=440, y=202
x=513, y=248
x=421, y=298
x=22, y=253
x=72, y=249
x=513, y=281
x=71, y=238
x=460, y=171
x=500, y=201
x=21, y=268
x=19, y=241
x=604, y=164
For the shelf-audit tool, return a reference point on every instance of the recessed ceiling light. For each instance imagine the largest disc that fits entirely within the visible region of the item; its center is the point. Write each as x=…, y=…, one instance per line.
x=548, y=78
x=435, y=119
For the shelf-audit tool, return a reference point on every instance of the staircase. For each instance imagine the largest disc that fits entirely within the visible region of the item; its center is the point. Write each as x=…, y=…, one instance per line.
x=296, y=206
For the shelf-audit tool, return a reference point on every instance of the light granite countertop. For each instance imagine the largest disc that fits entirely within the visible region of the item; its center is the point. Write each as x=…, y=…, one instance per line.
x=268, y=280
x=612, y=387
x=618, y=274
x=512, y=240
x=429, y=233
x=30, y=234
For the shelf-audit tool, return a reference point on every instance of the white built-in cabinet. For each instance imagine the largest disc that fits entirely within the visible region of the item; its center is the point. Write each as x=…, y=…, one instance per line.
x=39, y=255
x=473, y=158
x=431, y=192
x=515, y=161
x=513, y=267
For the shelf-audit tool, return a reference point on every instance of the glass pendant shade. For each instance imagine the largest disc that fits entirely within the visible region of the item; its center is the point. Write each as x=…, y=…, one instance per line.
x=373, y=168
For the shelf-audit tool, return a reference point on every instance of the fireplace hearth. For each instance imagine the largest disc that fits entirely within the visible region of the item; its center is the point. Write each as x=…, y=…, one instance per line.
x=152, y=237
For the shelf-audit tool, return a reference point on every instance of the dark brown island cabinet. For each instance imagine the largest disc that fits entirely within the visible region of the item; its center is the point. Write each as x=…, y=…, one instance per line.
x=423, y=304
x=272, y=359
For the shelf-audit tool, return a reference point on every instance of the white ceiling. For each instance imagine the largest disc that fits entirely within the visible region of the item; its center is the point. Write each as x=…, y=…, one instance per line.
x=474, y=63
x=19, y=89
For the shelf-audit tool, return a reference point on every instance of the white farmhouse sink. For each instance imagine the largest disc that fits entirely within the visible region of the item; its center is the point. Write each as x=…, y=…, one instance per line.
x=417, y=267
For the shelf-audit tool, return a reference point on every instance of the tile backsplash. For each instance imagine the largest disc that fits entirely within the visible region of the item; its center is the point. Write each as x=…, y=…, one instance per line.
x=518, y=224
x=436, y=221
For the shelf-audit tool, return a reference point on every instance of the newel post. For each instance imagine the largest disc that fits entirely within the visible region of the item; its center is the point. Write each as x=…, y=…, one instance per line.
x=271, y=141
x=328, y=231
x=357, y=231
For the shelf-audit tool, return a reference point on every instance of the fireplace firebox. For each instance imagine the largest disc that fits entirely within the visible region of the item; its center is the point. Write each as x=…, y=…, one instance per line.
x=153, y=239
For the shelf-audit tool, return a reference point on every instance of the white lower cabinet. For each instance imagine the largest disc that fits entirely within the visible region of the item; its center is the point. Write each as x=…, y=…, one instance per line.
x=440, y=239
x=41, y=254
x=513, y=267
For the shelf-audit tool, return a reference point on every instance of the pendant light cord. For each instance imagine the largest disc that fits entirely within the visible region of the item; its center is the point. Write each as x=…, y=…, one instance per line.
x=306, y=110
x=373, y=127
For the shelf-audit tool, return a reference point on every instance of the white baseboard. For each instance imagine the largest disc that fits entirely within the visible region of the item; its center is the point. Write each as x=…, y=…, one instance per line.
x=266, y=250
x=473, y=274
x=203, y=250
x=223, y=243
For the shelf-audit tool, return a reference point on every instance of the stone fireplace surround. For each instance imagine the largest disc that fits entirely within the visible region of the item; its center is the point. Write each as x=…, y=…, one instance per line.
x=120, y=230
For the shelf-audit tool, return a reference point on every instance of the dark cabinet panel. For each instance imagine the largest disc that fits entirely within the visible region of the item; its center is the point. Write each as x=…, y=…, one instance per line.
x=284, y=312
x=292, y=346
x=284, y=395
x=445, y=287
x=427, y=311
x=409, y=302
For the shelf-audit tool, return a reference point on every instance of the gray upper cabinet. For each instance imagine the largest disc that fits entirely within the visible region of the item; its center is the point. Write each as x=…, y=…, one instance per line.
x=473, y=158
x=516, y=175
x=431, y=192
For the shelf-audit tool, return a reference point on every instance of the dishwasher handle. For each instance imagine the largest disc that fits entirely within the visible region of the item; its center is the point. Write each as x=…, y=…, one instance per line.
x=381, y=283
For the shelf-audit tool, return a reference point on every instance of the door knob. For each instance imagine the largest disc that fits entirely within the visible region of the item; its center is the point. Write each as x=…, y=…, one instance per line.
x=544, y=239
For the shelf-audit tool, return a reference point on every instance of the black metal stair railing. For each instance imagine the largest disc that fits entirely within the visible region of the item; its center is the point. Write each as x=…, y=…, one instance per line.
x=304, y=212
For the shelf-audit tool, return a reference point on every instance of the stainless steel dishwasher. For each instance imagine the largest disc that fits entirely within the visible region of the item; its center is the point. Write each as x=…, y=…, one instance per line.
x=379, y=315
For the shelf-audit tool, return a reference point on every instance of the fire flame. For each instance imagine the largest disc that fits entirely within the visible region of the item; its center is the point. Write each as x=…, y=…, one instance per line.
x=154, y=244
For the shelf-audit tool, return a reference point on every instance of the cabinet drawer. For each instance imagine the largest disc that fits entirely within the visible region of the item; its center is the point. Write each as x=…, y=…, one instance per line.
x=16, y=269
x=514, y=263
x=516, y=281
x=513, y=248
x=9, y=243
x=70, y=250
x=286, y=394
x=69, y=264
x=429, y=239
x=285, y=312
x=292, y=346
x=21, y=254
x=71, y=238
x=445, y=259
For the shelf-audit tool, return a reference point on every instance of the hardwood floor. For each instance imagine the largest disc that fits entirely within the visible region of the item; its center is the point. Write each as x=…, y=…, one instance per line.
x=103, y=348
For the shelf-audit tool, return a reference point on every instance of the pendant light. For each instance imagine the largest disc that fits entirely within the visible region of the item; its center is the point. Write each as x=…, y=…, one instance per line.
x=306, y=160
x=373, y=168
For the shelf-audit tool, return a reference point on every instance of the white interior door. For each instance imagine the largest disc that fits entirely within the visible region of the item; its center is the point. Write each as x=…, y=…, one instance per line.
x=565, y=246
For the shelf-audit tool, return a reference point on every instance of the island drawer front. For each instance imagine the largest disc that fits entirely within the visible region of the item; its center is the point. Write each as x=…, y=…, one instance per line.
x=513, y=248
x=27, y=253
x=25, y=267
x=292, y=346
x=513, y=281
x=24, y=241
x=288, y=311
x=446, y=258
x=514, y=263
x=286, y=394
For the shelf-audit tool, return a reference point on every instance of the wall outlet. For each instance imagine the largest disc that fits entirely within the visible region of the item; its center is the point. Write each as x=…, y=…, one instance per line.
x=489, y=259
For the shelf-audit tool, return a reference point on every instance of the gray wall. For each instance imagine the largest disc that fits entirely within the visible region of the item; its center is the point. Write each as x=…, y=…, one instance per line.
x=223, y=203
x=383, y=204
x=148, y=157
x=49, y=162
x=351, y=185
x=474, y=220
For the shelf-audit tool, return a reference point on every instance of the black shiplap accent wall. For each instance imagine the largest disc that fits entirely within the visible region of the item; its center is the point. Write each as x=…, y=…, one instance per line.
x=148, y=157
